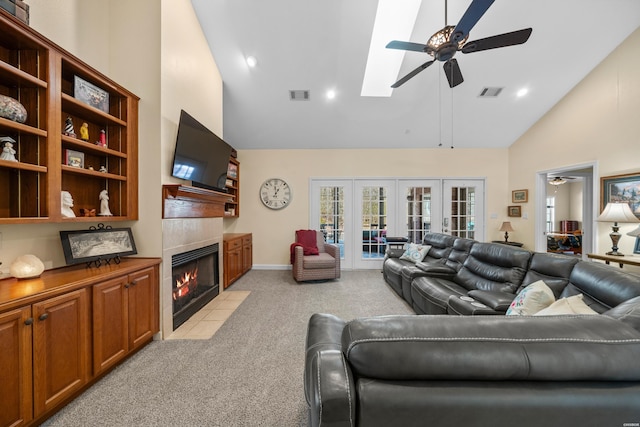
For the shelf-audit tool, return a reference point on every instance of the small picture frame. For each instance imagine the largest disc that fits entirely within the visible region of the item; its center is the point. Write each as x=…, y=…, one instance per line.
x=97, y=244
x=232, y=171
x=519, y=196
x=90, y=94
x=514, y=211
x=74, y=158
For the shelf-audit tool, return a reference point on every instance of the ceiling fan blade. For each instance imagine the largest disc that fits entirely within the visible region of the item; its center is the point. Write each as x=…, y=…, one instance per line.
x=411, y=74
x=474, y=12
x=453, y=73
x=416, y=47
x=501, y=40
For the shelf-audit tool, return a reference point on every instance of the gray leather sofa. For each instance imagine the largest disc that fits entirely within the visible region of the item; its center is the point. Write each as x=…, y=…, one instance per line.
x=434, y=370
x=463, y=363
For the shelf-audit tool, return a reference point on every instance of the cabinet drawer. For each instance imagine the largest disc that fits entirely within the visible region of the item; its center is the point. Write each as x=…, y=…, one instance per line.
x=246, y=240
x=233, y=244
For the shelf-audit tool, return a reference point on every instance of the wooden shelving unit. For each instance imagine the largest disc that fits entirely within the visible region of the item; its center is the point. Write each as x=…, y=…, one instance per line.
x=40, y=75
x=232, y=208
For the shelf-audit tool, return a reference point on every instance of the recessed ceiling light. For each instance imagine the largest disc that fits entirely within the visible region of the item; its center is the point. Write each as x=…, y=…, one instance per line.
x=522, y=92
x=394, y=20
x=252, y=61
x=331, y=94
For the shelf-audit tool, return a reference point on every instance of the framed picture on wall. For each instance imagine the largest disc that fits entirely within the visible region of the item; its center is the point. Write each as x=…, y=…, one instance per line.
x=621, y=189
x=519, y=196
x=97, y=244
x=514, y=211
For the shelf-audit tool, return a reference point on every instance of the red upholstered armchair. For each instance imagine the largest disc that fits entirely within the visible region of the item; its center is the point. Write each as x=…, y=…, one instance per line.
x=312, y=258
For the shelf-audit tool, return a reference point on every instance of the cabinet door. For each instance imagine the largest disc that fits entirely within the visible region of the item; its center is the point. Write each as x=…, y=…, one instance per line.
x=16, y=407
x=110, y=323
x=60, y=349
x=247, y=254
x=143, y=307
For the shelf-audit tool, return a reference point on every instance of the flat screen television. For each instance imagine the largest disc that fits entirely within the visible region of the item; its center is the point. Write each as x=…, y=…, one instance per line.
x=201, y=156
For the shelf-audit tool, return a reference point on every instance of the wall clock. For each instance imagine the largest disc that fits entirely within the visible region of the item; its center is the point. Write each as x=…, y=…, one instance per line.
x=275, y=193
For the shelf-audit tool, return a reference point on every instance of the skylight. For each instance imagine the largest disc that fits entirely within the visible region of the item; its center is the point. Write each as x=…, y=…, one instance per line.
x=394, y=21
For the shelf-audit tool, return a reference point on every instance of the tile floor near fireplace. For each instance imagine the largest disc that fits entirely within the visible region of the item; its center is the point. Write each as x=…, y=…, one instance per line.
x=206, y=322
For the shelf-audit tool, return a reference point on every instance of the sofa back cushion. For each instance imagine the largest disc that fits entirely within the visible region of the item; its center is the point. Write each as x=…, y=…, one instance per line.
x=441, y=245
x=554, y=269
x=459, y=253
x=603, y=286
x=493, y=267
x=513, y=348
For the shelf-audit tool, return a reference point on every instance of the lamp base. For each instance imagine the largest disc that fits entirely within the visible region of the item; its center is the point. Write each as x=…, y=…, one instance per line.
x=614, y=253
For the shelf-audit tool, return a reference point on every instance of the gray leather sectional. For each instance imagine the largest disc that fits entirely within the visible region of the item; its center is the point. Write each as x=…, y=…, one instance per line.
x=467, y=364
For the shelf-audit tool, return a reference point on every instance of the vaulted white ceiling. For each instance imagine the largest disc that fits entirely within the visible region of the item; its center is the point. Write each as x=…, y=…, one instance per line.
x=322, y=45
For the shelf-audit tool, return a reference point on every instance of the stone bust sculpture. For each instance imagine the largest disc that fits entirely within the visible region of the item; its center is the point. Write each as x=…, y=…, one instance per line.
x=67, y=204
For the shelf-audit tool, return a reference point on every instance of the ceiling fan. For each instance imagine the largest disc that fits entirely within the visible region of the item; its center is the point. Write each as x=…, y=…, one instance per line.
x=444, y=44
x=559, y=180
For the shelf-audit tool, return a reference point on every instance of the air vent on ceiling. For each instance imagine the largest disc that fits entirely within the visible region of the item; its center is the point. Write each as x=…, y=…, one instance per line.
x=490, y=92
x=298, y=95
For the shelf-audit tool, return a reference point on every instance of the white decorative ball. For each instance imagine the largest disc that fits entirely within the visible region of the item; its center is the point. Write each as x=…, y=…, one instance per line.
x=26, y=267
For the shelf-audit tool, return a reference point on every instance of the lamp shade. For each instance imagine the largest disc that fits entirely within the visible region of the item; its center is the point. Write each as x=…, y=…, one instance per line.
x=634, y=233
x=506, y=226
x=617, y=212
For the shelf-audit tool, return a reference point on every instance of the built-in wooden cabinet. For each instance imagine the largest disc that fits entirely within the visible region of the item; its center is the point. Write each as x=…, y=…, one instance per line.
x=124, y=316
x=237, y=253
x=42, y=77
x=63, y=330
x=232, y=207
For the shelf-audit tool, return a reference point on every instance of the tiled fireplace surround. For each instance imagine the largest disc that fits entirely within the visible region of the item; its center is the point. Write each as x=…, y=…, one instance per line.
x=181, y=235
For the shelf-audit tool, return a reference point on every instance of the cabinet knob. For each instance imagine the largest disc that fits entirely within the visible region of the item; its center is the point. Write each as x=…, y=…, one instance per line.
x=29, y=321
x=126, y=285
x=43, y=316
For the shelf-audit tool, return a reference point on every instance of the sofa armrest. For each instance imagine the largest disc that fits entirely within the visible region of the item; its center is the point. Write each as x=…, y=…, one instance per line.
x=331, y=391
x=394, y=252
x=497, y=300
x=324, y=332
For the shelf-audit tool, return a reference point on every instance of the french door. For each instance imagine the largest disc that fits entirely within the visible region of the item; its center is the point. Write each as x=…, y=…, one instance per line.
x=359, y=214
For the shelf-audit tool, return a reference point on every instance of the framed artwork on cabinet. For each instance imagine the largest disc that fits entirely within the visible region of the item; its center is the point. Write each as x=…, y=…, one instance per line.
x=519, y=196
x=622, y=189
x=97, y=244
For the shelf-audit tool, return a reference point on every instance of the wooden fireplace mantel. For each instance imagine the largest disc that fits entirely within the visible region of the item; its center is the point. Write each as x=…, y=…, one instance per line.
x=182, y=201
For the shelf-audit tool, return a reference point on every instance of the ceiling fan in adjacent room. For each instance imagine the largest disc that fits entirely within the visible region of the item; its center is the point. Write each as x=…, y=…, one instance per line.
x=444, y=44
x=559, y=180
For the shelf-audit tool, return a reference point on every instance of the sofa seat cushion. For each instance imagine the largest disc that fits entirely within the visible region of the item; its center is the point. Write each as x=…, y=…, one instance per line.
x=322, y=260
x=431, y=294
x=495, y=348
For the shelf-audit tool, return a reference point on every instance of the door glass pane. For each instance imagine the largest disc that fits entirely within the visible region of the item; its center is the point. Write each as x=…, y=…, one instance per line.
x=419, y=212
x=463, y=206
x=374, y=222
x=332, y=215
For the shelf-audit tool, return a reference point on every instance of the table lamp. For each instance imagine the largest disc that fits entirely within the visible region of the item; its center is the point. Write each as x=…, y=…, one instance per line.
x=616, y=212
x=506, y=227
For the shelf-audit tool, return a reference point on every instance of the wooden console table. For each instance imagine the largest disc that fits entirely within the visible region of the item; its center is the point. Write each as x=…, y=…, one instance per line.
x=620, y=260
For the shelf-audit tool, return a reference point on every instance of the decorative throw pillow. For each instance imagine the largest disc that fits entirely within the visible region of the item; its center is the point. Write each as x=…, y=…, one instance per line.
x=531, y=299
x=414, y=252
x=570, y=305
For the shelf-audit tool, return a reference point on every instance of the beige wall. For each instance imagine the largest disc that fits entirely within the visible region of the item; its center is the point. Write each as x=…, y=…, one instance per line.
x=273, y=231
x=596, y=122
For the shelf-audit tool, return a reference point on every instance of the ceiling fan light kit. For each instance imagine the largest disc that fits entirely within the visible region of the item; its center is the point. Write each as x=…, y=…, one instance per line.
x=444, y=44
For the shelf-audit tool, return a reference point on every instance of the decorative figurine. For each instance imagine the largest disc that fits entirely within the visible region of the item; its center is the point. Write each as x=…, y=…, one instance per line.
x=84, y=132
x=67, y=204
x=103, y=139
x=8, y=153
x=103, y=168
x=68, y=127
x=104, y=204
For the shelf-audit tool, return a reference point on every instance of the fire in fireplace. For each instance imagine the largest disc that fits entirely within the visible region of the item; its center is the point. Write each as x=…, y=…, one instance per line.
x=195, y=281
